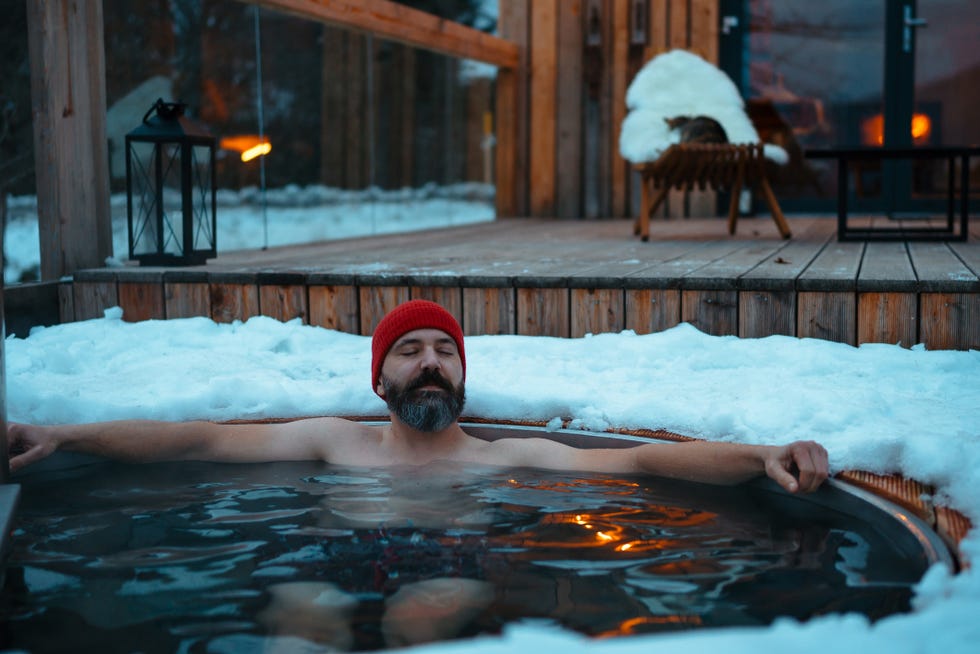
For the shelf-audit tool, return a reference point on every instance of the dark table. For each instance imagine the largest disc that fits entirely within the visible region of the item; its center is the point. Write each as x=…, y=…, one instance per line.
x=845, y=156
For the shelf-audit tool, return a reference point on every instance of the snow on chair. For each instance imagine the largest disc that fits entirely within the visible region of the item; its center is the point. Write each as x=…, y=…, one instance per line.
x=681, y=84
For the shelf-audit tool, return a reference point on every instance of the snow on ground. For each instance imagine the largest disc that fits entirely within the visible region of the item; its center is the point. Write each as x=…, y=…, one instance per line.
x=875, y=407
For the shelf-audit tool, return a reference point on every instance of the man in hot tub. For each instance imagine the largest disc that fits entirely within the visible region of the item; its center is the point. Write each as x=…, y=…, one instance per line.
x=418, y=367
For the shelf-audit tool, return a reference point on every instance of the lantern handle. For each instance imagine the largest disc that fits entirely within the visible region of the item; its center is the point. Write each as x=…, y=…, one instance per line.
x=166, y=110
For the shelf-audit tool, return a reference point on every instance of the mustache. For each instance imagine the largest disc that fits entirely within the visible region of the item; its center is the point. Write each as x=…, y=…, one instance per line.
x=430, y=377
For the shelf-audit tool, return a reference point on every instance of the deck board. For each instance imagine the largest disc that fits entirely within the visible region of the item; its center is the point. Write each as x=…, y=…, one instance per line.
x=572, y=277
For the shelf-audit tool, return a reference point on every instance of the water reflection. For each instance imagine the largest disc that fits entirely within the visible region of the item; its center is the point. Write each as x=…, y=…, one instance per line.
x=225, y=555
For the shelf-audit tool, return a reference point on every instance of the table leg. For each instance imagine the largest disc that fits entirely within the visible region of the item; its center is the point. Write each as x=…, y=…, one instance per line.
x=842, y=199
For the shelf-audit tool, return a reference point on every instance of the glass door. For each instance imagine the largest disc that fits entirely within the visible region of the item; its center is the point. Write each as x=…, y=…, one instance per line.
x=933, y=69
x=840, y=73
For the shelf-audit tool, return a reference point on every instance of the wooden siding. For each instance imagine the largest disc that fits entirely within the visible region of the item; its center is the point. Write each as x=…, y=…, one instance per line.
x=576, y=98
x=571, y=278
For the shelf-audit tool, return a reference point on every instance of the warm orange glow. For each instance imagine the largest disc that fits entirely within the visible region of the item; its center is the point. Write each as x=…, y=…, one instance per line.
x=631, y=626
x=873, y=129
x=921, y=126
x=259, y=150
x=249, y=145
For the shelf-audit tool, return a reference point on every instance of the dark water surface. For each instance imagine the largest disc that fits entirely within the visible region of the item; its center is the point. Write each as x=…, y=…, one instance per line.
x=236, y=558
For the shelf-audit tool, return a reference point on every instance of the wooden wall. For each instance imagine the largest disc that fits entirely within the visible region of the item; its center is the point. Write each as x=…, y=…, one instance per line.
x=581, y=56
x=536, y=307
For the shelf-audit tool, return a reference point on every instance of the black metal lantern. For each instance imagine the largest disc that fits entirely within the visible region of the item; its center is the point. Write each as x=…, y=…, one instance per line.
x=170, y=194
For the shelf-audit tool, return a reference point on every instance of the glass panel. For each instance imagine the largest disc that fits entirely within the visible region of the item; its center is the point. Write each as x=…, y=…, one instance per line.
x=816, y=74
x=360, y=136
x=947, y=86
x=18, y=204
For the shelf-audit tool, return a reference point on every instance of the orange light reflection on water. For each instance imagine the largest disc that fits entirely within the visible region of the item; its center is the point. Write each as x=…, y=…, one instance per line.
x=630, y=627
x=619, y=529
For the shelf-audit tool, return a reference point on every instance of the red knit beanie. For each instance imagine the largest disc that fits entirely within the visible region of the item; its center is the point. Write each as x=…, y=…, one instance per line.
x=412, y=315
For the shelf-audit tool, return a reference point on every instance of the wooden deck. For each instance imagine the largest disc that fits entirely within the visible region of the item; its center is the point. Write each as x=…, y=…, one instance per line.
x=571, y=277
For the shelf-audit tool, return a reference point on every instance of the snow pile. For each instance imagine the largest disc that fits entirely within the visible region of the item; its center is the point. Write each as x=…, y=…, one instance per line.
x=680, y=83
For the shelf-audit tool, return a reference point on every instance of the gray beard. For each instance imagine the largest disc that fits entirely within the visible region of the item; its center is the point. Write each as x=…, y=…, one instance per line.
x=427, y=411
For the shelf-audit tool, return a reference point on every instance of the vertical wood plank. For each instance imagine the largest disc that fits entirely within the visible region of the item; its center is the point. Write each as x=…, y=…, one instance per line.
x=712, y=312
x=376, y=302
x=830, y=316
x=356, y=111
x=283, y=301
x=332, y=107
x=619, y=168
x=334, y=307
x=659, y=29
x=68, y=108
x=543, y=96
x=66, y=303
x=512, y=114
x=186, y=299
x=703, y=40
x=679, y=34
x=950, y=321
x=408, y=89
x=569, y=106
x=542, y=312
x=477, y=104
x=507, y=165
x=658, y=44
x=652, y=310
x=596, y=311
x=91, y=299
x=489, y=311
x=231, y=301
x=887, y=318
x=141, y=300
x=449, y=298
x=764, y=313
x=705, y=19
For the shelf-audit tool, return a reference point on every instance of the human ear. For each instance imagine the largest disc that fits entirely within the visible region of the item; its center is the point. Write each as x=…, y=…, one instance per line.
x=380, y=389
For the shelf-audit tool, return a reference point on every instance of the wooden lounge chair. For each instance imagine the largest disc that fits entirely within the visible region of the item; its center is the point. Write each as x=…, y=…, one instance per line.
x=714, y=165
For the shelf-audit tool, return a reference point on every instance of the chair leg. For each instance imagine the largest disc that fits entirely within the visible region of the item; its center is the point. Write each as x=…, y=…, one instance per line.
x=777, y=213
x=736, y=191
x=645, y=216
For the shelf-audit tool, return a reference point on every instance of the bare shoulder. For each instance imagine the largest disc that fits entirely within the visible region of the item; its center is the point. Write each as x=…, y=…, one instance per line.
x=548, y=454
x=338, y=440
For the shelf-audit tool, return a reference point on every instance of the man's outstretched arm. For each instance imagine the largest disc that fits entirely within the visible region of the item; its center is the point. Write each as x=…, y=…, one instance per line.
x=144, y=441
x=798, y=466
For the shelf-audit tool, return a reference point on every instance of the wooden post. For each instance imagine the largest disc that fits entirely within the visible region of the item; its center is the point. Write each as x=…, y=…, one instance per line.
x=67, y=57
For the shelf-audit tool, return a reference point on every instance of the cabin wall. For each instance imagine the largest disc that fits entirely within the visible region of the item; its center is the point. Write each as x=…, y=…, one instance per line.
x=581, y=57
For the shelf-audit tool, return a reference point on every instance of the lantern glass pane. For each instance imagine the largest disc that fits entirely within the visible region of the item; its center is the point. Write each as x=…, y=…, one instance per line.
x=157, y=212
x=202, y=224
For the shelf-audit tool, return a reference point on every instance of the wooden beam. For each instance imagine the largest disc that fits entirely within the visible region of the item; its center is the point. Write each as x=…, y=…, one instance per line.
x=402, y=24
x=68, y=106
